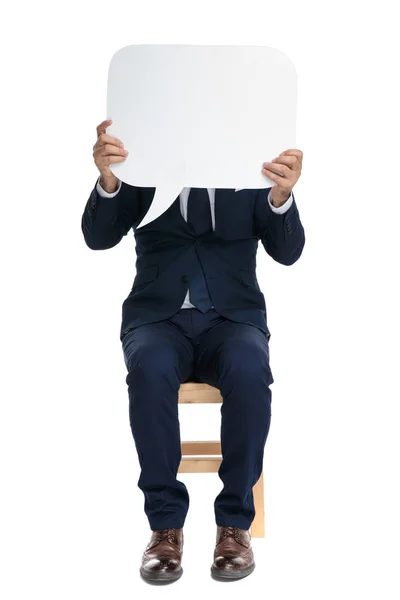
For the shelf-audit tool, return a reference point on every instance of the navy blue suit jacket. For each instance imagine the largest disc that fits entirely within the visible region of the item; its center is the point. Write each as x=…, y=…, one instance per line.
x=167, y=248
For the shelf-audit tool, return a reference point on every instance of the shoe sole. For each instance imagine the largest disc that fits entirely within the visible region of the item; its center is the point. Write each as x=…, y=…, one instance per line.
x=229, y=575
x=162, y=578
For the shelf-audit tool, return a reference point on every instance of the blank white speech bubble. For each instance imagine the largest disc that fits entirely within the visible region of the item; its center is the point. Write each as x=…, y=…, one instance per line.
x=199, y=116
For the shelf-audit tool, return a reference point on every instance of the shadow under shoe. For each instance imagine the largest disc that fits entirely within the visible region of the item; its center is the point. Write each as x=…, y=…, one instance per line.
x=162, y=558
x=233, y=554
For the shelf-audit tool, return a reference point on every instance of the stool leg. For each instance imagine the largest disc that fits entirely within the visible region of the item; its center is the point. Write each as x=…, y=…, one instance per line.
x=257, y=528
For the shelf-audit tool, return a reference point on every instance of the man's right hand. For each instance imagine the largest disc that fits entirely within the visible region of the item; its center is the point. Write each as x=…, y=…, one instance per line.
x=107, y=150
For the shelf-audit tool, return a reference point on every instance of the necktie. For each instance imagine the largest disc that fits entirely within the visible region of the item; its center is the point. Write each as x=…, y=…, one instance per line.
x=199, y=217
x=198, y=210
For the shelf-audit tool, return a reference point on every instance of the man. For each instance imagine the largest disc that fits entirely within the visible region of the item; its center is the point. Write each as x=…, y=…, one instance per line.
x=196, y=313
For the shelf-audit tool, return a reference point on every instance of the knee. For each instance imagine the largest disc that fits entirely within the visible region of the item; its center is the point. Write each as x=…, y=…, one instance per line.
x=249, y=364
x=150, y=364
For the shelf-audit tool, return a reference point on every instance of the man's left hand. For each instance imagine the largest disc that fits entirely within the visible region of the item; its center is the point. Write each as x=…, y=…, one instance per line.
x=284, y=170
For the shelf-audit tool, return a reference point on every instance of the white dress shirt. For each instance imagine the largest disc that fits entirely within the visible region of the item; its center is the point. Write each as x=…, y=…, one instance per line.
x=184, y=200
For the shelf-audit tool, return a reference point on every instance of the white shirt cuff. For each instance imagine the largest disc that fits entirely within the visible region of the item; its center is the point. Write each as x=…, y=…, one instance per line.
x=284, y=207
x=102, y=192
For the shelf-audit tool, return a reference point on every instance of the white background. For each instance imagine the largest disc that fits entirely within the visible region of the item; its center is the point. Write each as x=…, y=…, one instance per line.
x=73, y=524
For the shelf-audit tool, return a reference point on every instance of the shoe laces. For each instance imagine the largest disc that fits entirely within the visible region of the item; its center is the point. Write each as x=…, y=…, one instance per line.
x=227, y=531
x=166, y=534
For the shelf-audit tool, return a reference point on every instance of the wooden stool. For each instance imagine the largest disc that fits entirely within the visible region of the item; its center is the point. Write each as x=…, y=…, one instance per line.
x=206, y=457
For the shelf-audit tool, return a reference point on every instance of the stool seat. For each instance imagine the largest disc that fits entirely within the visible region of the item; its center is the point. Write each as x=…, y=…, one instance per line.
x=206, y=456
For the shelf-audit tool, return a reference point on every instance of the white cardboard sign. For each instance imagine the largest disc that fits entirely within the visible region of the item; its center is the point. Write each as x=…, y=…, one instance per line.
x=199, y=116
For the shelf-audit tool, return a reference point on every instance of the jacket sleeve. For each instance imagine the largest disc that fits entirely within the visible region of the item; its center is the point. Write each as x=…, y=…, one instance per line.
x=282, y=235
x=106, y=220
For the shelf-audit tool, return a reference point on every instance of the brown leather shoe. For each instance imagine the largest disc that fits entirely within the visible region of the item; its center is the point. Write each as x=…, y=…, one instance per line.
x=233, y=554
x=161, y=560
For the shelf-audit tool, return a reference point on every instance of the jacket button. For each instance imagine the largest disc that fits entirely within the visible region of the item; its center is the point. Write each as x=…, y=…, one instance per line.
x=198, y=241
x=185, y=279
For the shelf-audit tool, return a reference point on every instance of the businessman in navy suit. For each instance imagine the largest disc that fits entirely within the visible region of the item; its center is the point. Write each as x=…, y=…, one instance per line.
x=196, y=312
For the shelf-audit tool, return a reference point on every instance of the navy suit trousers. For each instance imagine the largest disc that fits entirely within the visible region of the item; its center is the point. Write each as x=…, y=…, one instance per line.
x=207, y=348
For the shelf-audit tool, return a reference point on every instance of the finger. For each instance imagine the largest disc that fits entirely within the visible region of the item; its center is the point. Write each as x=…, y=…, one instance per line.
x=290, y=161
x=104, y=139
x=283, y=183
x=293, y=152
x=110, y=150
x=105, y=161
x=103, y=126
x=275, y=177
x=282, y=170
